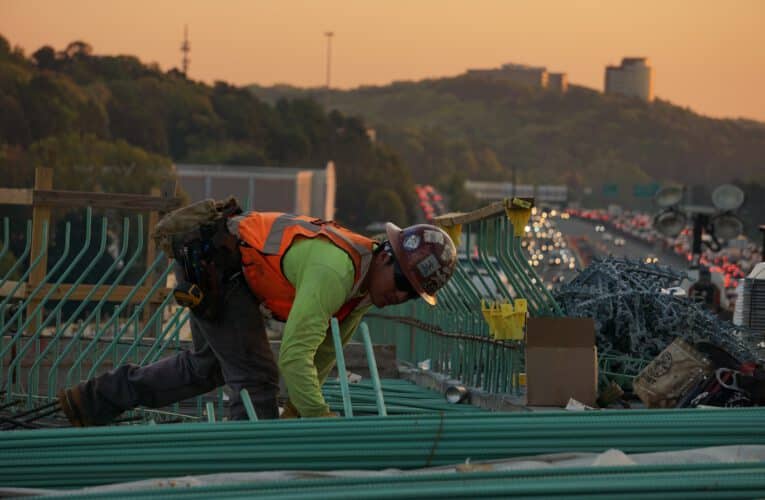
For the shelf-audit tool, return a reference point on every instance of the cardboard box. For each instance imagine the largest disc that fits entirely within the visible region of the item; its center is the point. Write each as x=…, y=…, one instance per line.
x=561, y=361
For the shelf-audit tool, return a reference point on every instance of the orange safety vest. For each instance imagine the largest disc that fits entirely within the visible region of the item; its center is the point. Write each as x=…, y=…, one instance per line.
x=265, y=237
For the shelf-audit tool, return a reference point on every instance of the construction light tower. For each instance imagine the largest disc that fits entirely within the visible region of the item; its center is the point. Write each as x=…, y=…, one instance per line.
x=718, y=221
x=185, y=48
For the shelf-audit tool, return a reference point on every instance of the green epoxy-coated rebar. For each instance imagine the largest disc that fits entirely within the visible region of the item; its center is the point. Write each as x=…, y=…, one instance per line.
x=22, y=258
x=373, y=369
x=54, y=351
x=155, y=317
x=401, y=398
x=342, y=375
x=170, y=335
x=247, y=402
x=20, y=311
x=74, y=341
x=426, y=431
x=53, y=342
x=640, y=481
x=158, y=263
x=34, y=338
x=454, y=335
x=100, y=455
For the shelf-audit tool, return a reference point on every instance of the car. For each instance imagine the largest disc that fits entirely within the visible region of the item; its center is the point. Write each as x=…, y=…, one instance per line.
x=600, y=228
x=619, y=242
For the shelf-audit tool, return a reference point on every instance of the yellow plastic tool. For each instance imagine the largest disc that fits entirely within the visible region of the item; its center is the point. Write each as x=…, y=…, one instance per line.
x=488, y=315
x=506, y=321
x=454, y=232
x=519, y=212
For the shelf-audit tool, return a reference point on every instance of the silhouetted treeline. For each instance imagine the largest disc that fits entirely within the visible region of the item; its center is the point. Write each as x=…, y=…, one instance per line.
x=78, y=113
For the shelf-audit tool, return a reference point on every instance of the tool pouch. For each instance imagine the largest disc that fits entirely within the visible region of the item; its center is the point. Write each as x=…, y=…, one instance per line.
x=208, y=254
x=190, y=218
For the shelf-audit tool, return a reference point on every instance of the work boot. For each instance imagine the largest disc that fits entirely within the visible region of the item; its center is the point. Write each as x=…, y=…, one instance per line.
x=71, y=401
x=85, y=405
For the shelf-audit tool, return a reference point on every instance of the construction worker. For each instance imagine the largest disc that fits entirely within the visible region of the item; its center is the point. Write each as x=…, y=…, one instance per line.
x=705, y=292
x=304, y=271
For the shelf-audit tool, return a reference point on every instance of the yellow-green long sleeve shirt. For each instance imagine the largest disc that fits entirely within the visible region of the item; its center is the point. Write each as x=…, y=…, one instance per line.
x=323, y=277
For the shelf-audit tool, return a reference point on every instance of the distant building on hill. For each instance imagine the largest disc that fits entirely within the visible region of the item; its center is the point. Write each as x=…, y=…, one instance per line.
x=633, y=78
x=301, y=191
x=557, y=82
x=533, y=76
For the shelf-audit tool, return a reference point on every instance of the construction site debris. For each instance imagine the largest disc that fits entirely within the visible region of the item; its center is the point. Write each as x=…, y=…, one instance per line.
x=671, y=375
x=636, y=317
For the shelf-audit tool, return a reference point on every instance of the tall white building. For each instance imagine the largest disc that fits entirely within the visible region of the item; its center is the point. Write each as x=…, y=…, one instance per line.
x=633, y=78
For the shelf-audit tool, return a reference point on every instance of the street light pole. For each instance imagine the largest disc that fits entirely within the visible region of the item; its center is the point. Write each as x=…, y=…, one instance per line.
x=329, y=35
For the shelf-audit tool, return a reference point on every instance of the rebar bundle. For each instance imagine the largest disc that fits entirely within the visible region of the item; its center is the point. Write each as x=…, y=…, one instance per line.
x=719, y=480
x=636, y=314
x=401, y=398
x=75, y=458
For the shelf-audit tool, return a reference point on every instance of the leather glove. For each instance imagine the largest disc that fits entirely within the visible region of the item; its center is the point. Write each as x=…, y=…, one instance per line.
x=290, y=411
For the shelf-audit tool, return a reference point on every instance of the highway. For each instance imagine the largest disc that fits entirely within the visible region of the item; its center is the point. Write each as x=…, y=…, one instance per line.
x=632, y=249
x=587, y=242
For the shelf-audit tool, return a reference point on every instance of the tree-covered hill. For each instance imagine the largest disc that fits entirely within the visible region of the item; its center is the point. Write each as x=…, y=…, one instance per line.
x=79, y=112
x=483, y=129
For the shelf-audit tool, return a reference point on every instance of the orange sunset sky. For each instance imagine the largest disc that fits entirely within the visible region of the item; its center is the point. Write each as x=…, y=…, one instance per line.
x=708, y=55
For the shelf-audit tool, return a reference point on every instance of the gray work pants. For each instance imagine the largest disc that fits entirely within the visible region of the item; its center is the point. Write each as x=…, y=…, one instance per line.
x=234, y=351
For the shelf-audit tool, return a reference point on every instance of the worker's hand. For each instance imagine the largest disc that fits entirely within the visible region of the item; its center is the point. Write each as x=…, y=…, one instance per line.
x=290, y=411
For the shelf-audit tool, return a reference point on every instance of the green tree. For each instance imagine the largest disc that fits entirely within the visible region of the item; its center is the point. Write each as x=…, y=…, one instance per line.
x=14, y=128
x=85, y=163
x=384, y=205
x=5, y=47
x=114, y=123
x=45, y=57
x=459, y=198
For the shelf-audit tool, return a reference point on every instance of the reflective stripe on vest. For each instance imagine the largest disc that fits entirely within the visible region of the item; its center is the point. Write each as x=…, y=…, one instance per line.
x=274, y=240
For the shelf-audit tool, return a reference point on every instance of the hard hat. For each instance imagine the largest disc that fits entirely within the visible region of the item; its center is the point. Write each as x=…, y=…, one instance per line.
x=426, y=255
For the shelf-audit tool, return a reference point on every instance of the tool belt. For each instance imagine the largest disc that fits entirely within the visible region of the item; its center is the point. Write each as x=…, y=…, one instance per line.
x=209, y=257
